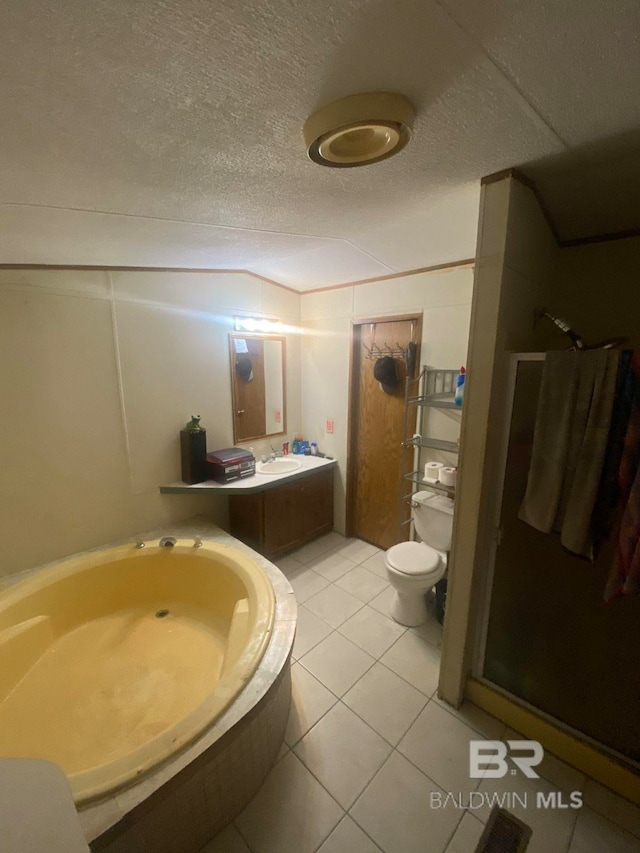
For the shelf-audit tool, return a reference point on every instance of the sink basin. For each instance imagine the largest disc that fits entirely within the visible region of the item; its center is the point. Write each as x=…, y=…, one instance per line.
x=278, y=466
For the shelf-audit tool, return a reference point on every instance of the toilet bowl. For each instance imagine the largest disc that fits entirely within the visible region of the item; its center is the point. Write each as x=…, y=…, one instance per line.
x=413, y=568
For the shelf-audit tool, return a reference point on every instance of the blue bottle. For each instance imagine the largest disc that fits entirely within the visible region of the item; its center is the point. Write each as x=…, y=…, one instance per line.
x=459, y=395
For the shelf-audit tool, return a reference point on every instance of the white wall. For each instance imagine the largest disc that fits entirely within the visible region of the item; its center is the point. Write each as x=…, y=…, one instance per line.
x=445, y=298
x=99, y=371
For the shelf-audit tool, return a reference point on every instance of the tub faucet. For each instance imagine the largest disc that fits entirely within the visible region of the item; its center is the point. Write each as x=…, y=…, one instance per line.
x=167, y=542
x=197, y=542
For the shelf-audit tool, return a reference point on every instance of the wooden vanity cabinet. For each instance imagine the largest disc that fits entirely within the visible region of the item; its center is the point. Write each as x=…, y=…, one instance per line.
x=282, y=518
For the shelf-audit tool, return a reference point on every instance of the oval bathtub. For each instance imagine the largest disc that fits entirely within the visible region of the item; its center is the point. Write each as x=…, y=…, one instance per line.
x=112, y=661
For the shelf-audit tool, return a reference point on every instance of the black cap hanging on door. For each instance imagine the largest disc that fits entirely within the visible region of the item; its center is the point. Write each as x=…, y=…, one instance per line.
x=385, y=372
x=244, y=368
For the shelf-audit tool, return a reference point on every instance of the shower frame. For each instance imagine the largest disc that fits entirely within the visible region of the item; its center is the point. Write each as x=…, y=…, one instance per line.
x=483, y=602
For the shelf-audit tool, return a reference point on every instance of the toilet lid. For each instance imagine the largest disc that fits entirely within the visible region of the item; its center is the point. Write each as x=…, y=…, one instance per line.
x=413, y=558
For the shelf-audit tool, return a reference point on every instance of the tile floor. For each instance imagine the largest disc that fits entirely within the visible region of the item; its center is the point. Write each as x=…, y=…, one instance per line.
x=368, y=741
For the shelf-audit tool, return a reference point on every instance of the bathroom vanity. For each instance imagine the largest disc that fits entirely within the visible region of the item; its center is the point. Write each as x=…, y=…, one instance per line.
x=277, y=520
x=275, y=513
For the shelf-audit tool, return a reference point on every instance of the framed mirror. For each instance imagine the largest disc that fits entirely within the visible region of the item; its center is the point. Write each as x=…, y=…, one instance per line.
x=257, y=385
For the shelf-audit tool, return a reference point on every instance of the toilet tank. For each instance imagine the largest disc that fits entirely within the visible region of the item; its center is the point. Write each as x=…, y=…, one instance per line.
x=433, y=519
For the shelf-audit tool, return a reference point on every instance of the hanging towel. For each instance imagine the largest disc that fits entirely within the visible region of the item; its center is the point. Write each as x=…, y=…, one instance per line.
x=624, y=577
x=569, y=444
x=608, y=500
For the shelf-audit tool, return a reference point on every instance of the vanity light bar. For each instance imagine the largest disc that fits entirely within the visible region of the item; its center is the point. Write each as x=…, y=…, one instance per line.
x=256, y=324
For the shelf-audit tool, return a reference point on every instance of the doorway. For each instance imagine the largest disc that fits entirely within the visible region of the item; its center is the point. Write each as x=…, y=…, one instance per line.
x=377, y=429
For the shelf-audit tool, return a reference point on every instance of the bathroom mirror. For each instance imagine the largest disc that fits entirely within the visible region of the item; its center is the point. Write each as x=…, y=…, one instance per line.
x=257, y=385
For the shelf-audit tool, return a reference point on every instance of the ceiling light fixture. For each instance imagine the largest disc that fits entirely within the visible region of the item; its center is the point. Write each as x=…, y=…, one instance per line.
x=256, y=324
x=359, y=129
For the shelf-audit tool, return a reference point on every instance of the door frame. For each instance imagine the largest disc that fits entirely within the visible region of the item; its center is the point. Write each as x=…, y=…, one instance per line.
x=417, y=318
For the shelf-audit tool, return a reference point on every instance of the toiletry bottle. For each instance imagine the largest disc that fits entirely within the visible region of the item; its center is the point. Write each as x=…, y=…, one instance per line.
x=459, y=395
x=314, y=448
x=295, y=445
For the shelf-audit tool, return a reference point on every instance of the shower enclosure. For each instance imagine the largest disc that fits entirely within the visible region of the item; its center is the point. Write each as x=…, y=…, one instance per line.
x=545, y=637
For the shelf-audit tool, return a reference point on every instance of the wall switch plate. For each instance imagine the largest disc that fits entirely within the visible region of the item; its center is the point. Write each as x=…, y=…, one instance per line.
x=330, y=426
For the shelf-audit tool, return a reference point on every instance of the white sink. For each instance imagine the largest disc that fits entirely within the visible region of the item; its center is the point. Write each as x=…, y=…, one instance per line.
x=278, y=466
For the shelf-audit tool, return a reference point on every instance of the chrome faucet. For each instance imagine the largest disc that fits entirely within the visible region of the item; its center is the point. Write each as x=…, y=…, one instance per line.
x=167, y=542
x=275, y=452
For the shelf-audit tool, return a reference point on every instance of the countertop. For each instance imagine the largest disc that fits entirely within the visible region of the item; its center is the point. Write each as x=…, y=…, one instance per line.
x=257, y=483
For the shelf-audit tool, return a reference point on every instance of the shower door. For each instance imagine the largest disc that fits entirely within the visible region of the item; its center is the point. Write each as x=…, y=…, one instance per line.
x=547, y=638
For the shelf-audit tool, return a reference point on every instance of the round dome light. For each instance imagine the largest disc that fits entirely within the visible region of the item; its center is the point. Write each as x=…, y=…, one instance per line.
x=359, y=129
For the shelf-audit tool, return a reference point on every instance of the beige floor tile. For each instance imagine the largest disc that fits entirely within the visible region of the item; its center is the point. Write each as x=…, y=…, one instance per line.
x=431, y=630
x=315, y=549
x=291, y=812
x=337, y=663
x=415, y=660
x=382, y=602
x=476, y=718
x=357, y=550
x=376, y=564
x=310, y=629
x=612, y=806
x=552, y=769
x=438, y=744
x=594, y=834
x=284, y=749
x=467, y=835
x=310, y=700
x=386, y=702
x=395, y=810
x=552, y=828
x=331, y=541
x=343, y=753
x=306, y=583
x=362, y=583
x=347, y=837
x=372, y=631
x=332, y=566
x=334, y=606
x=227, y=841
x=288, y=565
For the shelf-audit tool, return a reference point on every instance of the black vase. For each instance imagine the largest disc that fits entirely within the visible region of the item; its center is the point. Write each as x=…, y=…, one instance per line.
x=193, y=452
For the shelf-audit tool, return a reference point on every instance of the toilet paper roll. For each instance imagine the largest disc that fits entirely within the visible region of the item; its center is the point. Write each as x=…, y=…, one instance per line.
x=448, y=476
x=432, y=471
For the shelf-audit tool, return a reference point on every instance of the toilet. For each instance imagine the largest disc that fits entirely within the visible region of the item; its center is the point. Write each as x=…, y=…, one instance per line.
x=413, y=568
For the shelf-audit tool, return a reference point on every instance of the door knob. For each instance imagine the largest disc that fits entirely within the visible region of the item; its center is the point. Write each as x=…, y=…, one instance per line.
x=240, y=412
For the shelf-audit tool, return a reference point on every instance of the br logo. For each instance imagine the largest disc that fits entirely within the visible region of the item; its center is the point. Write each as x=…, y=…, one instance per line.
x=489, y=759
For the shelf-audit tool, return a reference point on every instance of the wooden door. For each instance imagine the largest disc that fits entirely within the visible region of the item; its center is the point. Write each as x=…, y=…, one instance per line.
x=377, y=431
x=249, y=414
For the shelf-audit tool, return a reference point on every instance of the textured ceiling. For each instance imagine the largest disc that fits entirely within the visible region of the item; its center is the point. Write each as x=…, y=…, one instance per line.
x=169, y=133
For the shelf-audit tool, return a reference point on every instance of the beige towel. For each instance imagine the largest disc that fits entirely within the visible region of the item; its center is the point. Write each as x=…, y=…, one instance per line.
x=569, y=443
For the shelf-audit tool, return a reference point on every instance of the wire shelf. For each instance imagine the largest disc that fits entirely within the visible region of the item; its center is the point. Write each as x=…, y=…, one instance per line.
x=416, y=477
x=434, y=443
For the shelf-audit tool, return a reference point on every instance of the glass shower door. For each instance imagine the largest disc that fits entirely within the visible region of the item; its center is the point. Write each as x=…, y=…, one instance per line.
x=550, y=639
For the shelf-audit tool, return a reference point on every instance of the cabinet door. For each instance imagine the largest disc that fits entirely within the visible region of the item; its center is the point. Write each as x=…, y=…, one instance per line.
x=282, y=518
x=316, y=504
